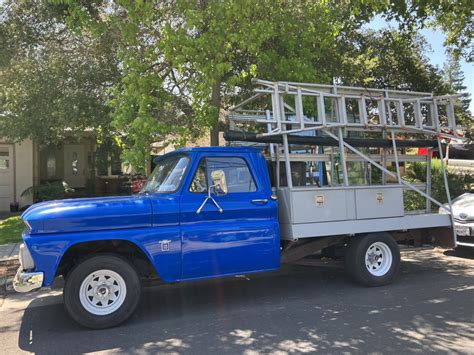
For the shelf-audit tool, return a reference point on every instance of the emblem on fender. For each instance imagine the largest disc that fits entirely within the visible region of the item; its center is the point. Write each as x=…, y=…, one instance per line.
x=165, y=245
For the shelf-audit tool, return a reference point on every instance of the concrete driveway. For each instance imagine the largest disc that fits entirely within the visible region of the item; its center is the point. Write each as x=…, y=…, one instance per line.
x=300, y=309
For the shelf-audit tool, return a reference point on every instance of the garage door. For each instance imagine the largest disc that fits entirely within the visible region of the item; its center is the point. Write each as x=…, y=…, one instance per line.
x=6, y=176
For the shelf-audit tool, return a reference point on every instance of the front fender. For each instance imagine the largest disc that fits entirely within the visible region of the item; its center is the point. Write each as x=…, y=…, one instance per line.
x=47, y=250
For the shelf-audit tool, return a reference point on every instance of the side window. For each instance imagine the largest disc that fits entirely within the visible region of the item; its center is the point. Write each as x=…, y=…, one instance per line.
x=236, y=170
x=199, y=183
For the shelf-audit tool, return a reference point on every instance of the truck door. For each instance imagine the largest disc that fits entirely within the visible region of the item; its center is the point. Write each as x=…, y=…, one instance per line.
x=244, y=236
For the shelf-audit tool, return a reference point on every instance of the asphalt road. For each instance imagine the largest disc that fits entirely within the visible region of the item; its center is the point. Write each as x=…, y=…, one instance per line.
x=430, y=308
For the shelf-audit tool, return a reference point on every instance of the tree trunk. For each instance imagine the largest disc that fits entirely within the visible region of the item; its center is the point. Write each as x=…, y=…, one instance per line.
x=216, y=102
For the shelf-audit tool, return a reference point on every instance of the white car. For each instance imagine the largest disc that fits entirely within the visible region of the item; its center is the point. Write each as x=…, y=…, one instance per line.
x=463, y=211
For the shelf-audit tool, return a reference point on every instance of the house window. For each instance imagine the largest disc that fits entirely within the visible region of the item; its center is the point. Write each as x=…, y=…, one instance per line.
x=4, y=159
x=108, y=162
x=51, y=165
x=102, y=161
x=4, y=164
x=115, y=163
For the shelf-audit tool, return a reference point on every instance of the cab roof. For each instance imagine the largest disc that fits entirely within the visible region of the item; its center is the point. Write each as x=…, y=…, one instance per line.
x=212, y=150
x=221, y=149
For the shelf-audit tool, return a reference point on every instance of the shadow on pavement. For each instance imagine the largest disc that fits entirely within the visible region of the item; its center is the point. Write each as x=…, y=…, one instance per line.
x=298, y=309
x=461, y=252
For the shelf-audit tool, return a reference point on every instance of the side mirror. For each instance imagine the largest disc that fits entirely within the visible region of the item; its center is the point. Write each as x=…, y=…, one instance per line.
x=219, y=182
x=220, y=189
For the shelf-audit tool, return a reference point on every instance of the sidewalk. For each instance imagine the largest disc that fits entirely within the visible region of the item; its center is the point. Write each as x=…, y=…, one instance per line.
x=9, y=263
x=9, y=251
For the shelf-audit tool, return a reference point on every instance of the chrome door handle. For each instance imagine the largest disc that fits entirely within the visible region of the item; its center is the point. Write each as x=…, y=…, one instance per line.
x=261, y=201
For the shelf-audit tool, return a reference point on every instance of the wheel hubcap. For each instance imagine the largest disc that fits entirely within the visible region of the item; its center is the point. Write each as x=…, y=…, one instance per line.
x=102, y=292
x=378, y=259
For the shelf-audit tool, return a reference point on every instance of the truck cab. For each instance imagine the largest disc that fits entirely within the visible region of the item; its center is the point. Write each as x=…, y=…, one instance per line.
x=227, y=220
x=203, y=213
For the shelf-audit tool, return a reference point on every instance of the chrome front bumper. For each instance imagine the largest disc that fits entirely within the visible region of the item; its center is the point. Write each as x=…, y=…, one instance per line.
x=27, y=281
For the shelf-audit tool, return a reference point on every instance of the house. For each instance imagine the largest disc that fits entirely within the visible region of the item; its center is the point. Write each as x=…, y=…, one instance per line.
x=17, y=163
x=88, y=168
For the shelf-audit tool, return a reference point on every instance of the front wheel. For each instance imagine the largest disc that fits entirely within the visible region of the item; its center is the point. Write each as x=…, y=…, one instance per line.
x=373, y=259
x=102, y=291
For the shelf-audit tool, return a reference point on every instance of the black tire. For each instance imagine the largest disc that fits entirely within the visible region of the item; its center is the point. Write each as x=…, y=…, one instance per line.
x=82, y=271
x=355, y=259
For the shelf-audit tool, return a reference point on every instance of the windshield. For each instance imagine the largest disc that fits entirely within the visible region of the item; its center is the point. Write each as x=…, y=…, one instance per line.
x=167, y=175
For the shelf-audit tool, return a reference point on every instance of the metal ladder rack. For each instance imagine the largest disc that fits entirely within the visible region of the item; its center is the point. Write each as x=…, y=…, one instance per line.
x=376, y=109
x=337, y=112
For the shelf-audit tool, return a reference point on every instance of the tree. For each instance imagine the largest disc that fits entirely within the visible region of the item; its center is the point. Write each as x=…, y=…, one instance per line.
x=398, y=60
x=53, y=81
x=174, y=67
x=390, y=59
x=454, y=17
x=185, y=62
x=454, y=78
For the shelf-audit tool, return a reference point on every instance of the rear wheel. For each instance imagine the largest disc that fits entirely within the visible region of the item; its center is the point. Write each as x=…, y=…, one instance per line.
x=102, y=291
x=373, y=259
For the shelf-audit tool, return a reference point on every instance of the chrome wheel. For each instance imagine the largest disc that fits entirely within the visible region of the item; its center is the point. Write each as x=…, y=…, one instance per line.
x=102, y=292
x=378, y=259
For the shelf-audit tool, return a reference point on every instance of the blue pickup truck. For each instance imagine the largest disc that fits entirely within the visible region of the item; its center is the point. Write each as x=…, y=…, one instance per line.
x=204, y=213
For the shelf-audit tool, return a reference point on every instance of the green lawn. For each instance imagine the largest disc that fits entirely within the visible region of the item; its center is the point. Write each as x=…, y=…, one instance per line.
x=10, y=230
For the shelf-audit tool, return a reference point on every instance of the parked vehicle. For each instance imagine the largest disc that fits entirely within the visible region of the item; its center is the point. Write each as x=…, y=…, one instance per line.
x=132, y=183
x=460, y=157
x=463, y=211
x=223, y=211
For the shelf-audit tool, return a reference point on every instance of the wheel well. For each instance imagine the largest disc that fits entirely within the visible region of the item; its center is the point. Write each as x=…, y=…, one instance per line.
x=78, y=252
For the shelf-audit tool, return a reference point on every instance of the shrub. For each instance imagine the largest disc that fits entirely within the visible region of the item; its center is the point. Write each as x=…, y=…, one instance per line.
x=416, y=172
x=48, y=191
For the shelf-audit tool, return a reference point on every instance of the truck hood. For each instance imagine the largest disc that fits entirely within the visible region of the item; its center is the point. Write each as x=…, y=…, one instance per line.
x=87, y=214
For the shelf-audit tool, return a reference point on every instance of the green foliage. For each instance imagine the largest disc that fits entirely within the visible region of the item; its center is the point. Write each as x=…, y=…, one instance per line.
x=53, y=81
x=454, y=78
x=183, y=63
x=167, y=71
x=390, y=59
x=454, y=17
x=416, y=172
x=10, y=230
x=48, y=191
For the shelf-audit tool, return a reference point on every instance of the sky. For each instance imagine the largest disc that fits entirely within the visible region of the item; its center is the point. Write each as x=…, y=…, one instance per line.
x=437, y=56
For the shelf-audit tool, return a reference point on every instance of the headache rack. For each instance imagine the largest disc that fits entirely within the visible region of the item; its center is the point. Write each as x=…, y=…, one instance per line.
x=328, y=138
